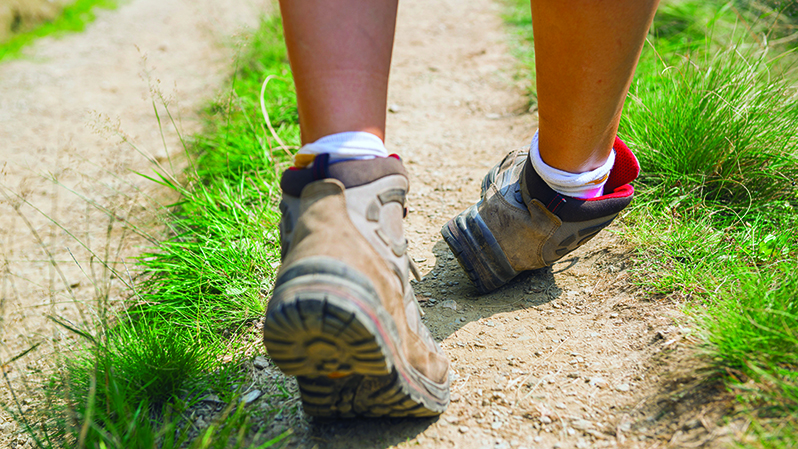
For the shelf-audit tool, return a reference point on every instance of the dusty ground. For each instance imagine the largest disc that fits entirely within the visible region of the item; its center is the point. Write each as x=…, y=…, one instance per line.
x=572, y=356
x=60, y=107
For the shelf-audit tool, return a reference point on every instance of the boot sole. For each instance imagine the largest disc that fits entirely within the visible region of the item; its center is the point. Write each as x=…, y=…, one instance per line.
x=330, y=330
x=477, y=251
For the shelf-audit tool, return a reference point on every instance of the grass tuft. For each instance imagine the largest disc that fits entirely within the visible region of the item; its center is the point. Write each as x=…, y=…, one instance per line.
x=73, y=18
x=719, y=126
x=190, y=319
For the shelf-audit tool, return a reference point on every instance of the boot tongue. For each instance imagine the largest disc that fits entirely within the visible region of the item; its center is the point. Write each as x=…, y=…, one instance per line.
x=625, y=170
x=350, y=173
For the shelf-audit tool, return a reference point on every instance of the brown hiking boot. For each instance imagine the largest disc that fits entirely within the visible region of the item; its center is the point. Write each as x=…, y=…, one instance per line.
x=521, y=224
x=343, y=317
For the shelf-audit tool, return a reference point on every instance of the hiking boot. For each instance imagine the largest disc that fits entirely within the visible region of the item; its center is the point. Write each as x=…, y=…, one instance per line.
x=343, y=317
x=521, y=224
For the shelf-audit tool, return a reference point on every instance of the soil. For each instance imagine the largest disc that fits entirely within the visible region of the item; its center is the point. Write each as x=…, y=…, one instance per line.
x=23, y=15
x=65, y=108
x=569, y=356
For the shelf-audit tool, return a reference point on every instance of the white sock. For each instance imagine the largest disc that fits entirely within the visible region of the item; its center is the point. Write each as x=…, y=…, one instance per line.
x=352, y=145
x=585, y=185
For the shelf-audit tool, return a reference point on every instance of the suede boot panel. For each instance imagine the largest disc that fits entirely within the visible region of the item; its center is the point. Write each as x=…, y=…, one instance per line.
x=520, y=231
x=571, y=236
x=325, y=228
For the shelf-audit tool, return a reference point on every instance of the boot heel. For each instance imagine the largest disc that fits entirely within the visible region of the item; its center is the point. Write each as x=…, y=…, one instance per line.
x=477, y=251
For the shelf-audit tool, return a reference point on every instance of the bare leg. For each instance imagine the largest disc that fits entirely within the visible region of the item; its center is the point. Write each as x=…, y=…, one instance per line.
x=585, y=55
x=340, y=53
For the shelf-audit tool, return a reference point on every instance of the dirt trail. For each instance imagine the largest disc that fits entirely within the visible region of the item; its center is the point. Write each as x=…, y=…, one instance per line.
x=51, y=103
x=564, y=357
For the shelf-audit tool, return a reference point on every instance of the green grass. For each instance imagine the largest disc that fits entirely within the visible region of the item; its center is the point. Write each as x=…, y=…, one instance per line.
x=712, y=120
x=517, y=16
x=711, y=116
x=190, y=317
x=73, y=18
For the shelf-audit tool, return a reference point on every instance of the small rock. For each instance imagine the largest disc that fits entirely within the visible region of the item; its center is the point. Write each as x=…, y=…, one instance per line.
x=463, y=429
x=623, y=387
x=394, y=108
x=575, y=375
x=613, y=315
x=496, y=425
x=453, y=419
x=598, y=382
x=560, y=405
x=455, y=397
x=419, y=259
x=582, y=424
x=427, y=294
x=545, y=419
x=212, y=398
x=538, y=439
x=260, y=362
x=450, y=304
x=550, y=328
x=251, y=396
x=571, y=432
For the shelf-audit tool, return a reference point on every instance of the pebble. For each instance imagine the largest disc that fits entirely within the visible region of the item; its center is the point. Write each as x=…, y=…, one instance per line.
x=623, y=387
x=463, y=429
x=560, y=405
x=453, y=419
x=538, y=439
x=251, y=396
x=450, y=304
x=496, y=425
x=213, y=398
x=598, y=382
x=394, y=108
x=582, y=424
x=455, y=397
x=260, y=362
x=545, y=419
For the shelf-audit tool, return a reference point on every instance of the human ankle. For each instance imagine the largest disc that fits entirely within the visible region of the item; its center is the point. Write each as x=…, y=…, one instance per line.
x=584, y=185
x=345, y=146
